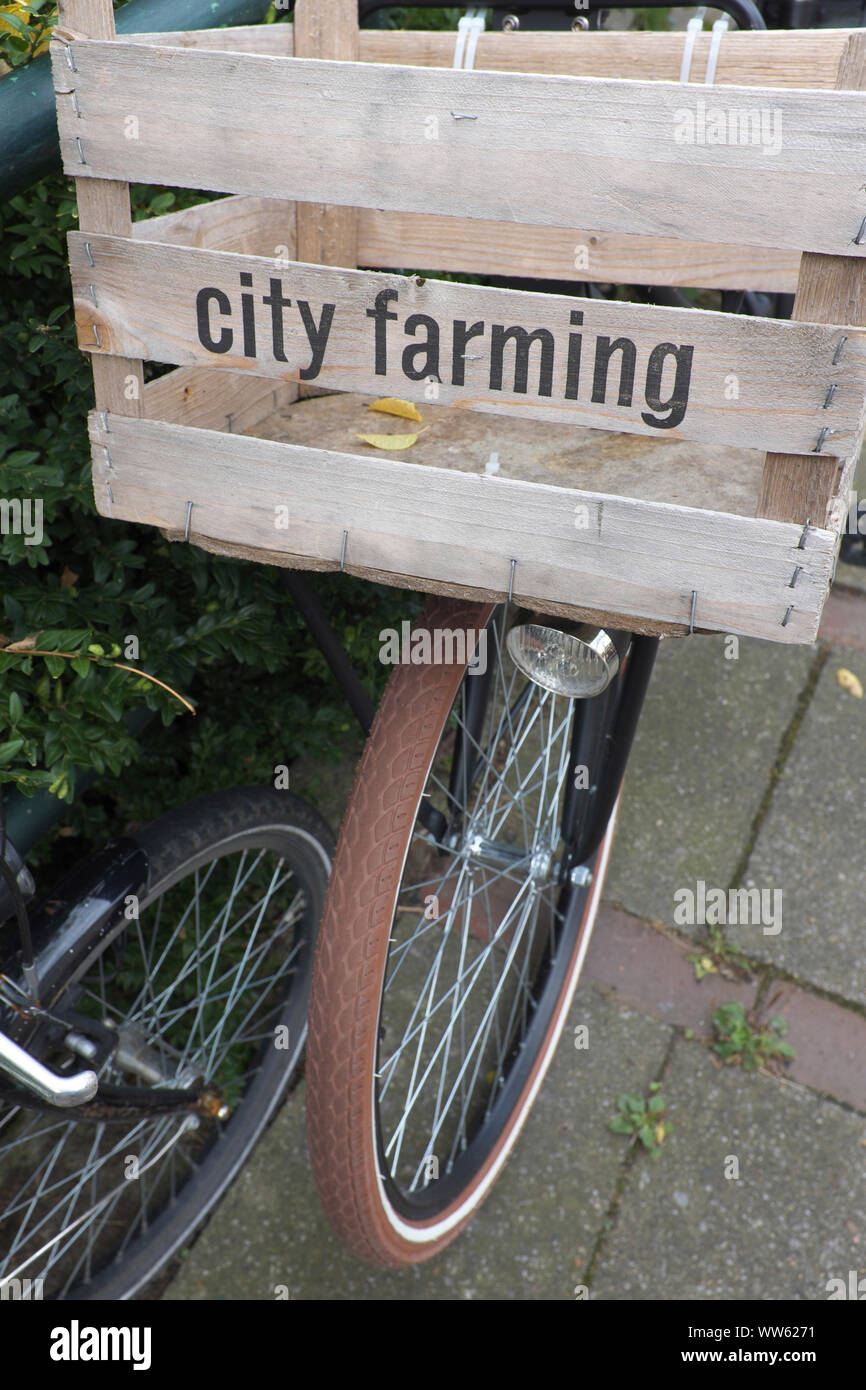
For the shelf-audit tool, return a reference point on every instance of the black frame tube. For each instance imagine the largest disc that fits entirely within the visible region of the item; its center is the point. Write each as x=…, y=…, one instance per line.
x=329, y=644
x=745, y=12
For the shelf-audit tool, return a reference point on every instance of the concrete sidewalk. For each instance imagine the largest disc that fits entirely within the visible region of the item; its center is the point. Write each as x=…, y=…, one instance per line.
x=748, y=771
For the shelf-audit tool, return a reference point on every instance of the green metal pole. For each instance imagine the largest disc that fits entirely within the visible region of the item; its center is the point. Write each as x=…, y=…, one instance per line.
x=28, y=146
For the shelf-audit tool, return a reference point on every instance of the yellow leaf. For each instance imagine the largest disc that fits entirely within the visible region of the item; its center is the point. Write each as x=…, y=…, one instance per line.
x=708, y=965
x=389, y=406
x=391, y=441
x=660, y=1132
x=850, y=682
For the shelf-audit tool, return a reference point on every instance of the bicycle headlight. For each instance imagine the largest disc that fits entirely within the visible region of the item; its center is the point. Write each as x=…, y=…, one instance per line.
x=577, y=660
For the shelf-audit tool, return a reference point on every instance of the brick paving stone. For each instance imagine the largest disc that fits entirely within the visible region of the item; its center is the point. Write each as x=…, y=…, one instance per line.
x=651, y=972
x=812, y=843
x=704, y=751
x=792, y=1220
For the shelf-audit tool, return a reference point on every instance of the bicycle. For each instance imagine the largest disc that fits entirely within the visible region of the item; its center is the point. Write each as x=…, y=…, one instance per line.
x=478, y=831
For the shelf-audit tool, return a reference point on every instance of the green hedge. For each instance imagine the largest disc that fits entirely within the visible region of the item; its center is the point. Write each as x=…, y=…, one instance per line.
x=221, y=632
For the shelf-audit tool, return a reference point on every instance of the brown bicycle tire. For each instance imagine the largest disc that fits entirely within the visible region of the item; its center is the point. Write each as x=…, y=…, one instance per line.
x=351, y=961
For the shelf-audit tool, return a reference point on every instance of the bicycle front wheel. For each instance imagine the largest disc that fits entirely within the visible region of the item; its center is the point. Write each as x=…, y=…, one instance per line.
x=451, y=943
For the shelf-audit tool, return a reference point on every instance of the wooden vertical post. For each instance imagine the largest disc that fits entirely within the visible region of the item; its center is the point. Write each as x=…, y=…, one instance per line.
x=103, y=206
x=327, y=29
x=830, y=289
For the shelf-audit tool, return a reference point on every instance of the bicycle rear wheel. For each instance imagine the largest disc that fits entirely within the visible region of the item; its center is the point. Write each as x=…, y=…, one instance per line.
x=445, y=968
x=211, y=981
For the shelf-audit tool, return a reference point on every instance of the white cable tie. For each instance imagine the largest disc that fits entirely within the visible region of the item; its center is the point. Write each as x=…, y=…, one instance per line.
x=469, y=30
x=693, y=28
x=476, y=29
x=719, y=28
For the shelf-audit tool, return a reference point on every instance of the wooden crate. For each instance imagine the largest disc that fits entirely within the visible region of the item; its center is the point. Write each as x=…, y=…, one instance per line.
x=642, y=465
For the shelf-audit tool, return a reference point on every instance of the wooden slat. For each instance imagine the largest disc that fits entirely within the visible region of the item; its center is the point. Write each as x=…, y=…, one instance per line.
x=749, y=59
x=545, y=151
x=453, y=528
x=401, y=240
x=250, y=226
x=214, y=400
x=102, y=205
x=407, y=240
x=273, y=39
x=831, y=289
x=799, y=58
x=147, y=297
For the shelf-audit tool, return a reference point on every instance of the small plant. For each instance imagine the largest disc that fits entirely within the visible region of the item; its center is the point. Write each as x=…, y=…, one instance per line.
x=718, y=952
x=742, y=1041
x=643, y=1118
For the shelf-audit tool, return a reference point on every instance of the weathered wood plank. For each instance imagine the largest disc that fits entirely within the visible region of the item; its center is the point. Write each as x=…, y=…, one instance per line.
x=274, y=39
x=632, y=558
x=406, y=240
x=747, y=382
x=103, y=205
x=401, y=240
x=214, y=400
x=831, y=289
x=250, y=226
x=798, y=58
x=804, y=58
x=540, y=150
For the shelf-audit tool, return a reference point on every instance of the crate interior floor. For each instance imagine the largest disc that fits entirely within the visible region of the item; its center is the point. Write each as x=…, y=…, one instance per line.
x=707, y=476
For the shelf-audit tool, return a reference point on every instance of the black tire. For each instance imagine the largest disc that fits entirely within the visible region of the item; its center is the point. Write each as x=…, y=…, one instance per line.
x=193, y=846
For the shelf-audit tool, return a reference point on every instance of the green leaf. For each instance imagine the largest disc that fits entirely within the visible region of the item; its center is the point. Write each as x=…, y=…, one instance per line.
x=55, y=665
x=9, y=750
x=81, y=666
x=657, y=1103
x=16, y=708
x=646, y=1136
x=620, y=1125
x=17, y=24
